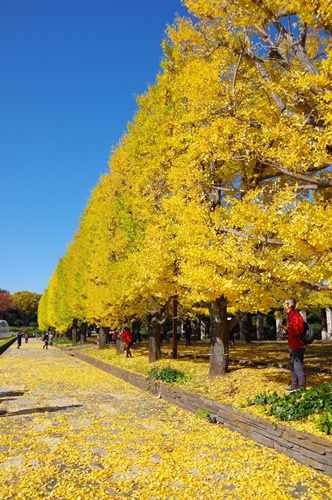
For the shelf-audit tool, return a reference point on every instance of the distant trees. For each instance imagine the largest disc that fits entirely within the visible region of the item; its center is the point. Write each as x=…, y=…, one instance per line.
x=20, y=307
x=26, y=303
x=5, y=302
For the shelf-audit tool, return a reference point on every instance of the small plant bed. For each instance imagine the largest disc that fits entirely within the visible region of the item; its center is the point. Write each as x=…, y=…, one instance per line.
x=167, y=375
x=62, y=341
x=68, y=343
x=203, y=414
x=315, y=403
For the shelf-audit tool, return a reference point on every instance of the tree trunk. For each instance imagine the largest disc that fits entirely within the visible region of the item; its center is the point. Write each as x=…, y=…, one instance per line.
x=203, y=328
x=194, y=325
x=324, y=324
x=83, y=333
x=259, y=326
x=198, y=328
x=120, y=347
x=245, y=328
x=68, y=334
x=219, y=335
x=175, y=329
x=329, y=323
x=107, y=334
x=154, y=340
x=279, y=332
x=102, y=337
x=74, y=332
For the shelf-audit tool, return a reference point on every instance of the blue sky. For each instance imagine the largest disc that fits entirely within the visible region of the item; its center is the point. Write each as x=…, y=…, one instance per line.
x=70, y=71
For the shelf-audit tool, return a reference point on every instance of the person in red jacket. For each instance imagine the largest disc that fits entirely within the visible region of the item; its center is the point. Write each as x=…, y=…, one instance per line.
x=126, y=335
x=294, y=329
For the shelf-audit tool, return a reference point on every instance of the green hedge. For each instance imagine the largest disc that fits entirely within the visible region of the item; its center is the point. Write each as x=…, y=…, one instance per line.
x=28, y=329
x=5, y=343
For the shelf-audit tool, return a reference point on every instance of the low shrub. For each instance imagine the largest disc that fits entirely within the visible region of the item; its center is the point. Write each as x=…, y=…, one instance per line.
x=202, y=414
x=300, y=404
x=167, y=374
x=61, y=341
x=28, y=329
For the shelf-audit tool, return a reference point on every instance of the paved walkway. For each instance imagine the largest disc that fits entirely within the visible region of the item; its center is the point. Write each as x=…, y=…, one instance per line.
x=71, y=431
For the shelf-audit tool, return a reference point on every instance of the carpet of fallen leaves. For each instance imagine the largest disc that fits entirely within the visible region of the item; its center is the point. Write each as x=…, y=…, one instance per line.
x=71, y=431
x=242, y=381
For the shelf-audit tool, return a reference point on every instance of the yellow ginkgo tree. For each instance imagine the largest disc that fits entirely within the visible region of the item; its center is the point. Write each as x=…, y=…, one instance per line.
x=254, y=151
x=219, y=193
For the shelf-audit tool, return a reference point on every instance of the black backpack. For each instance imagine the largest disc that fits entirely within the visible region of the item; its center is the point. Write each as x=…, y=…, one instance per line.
x=308, y=335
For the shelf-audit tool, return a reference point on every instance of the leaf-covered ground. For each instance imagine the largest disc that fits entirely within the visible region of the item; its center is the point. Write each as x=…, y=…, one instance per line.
x=71, y=431
x=242, y=381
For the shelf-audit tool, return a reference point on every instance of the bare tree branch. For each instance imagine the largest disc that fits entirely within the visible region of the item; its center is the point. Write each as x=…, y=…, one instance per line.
x=237, y=69
x=259, y=63
x=298, y=49
x=303, y=33
x=267, y=240
x=235, y=319
x=230, y=190
x=314, y=286
x=322, y=182
x=308, y=187
x=274, y=52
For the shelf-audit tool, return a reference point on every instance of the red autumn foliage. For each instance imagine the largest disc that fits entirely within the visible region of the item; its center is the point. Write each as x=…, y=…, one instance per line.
x=5, y=301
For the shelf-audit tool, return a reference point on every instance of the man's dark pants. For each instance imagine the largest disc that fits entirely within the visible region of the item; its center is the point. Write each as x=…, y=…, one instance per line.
x=296, y=367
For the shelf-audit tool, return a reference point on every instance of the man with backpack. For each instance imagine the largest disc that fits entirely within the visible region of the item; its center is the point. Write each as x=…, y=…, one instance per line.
x=294, y=330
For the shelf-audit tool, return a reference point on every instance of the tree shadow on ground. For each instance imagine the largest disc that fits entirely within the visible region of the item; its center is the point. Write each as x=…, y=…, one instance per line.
x=10, y=395
x=44, y=409
x=282, y=377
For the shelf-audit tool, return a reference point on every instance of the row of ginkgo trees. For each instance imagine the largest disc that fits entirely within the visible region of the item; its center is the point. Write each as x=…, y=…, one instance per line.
x=219, y=193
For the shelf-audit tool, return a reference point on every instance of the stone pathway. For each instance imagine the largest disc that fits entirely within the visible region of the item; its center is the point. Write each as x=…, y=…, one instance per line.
x=71, y=431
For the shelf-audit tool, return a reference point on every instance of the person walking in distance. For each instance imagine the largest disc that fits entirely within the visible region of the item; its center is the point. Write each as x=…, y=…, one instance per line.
x=126, y=335
x=19, y=339
x=46, y=338
x=294, y=330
